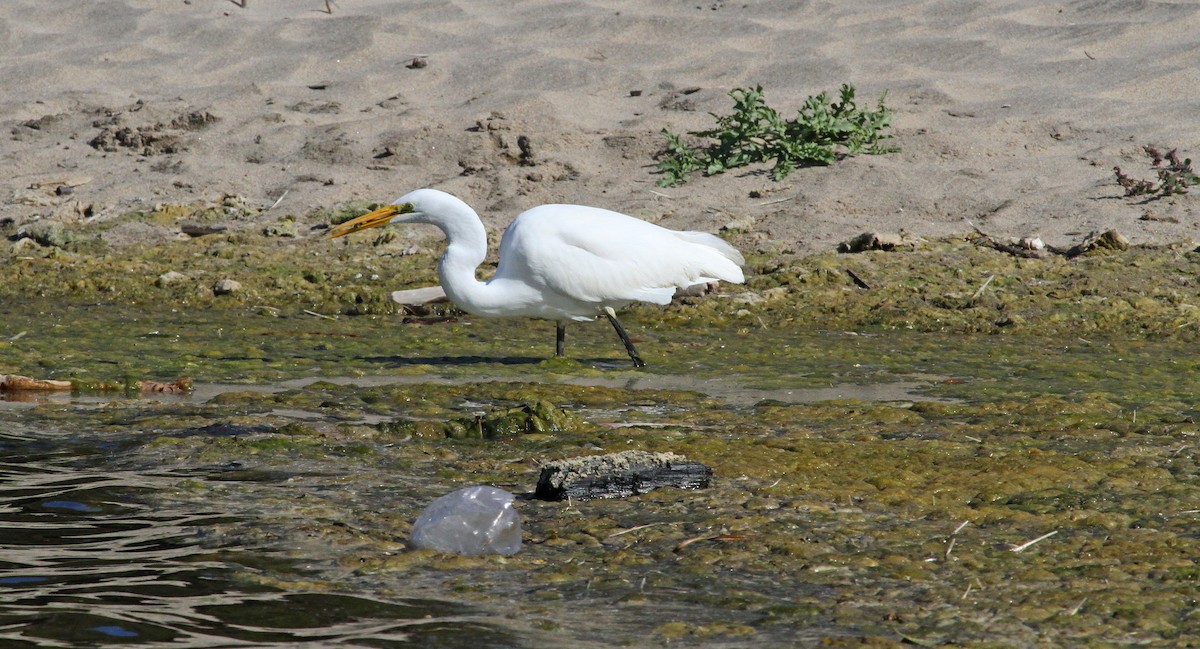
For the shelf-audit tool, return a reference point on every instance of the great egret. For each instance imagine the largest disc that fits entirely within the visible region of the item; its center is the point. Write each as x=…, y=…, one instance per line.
x=561, y=262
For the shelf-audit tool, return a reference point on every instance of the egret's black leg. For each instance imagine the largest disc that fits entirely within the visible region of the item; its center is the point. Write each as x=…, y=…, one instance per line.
x=560, y=338
x=612, y=317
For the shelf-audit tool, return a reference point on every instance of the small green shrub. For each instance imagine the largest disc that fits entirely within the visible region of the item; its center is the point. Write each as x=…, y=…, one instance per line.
x=756, y=133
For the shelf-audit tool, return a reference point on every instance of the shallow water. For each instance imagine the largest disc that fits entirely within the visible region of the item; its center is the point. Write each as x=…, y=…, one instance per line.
x=267, y=508
x=85, y=560
x=94, y=555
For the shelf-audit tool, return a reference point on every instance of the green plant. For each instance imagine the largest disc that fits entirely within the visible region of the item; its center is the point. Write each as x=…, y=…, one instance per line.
x=1174, y=177
x=756, y=133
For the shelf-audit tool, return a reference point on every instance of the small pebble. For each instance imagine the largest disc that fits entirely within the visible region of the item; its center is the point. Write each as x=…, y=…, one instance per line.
x=226, y=286
x=170, y=277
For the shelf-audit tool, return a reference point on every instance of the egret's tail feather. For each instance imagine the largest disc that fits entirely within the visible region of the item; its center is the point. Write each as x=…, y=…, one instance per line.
x=727, y=267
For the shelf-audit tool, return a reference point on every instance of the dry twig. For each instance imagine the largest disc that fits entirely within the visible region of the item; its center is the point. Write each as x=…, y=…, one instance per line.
x=634, y=529
x=1024, y=546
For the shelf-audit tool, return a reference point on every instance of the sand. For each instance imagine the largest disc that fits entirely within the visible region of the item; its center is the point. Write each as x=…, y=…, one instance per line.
x=1010, y=115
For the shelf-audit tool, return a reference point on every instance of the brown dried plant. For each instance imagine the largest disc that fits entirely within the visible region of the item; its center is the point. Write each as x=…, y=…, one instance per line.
x=1175, y=175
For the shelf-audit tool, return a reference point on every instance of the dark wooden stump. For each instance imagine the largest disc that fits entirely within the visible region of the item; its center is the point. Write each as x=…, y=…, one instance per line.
x=619, y=475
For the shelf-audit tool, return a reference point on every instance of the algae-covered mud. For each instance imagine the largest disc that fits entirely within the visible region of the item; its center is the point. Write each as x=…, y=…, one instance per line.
x=973, y=450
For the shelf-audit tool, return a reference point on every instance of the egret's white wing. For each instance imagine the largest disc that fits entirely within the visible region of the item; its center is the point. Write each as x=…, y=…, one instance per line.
x=598, y=256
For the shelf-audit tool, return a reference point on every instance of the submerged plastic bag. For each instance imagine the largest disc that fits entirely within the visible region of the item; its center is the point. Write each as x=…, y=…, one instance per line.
x=474, y=520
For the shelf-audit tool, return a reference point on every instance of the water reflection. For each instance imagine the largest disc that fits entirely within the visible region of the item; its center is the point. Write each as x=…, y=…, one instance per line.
x=84, y=562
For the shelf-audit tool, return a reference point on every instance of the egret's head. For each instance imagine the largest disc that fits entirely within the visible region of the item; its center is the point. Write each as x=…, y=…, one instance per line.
x=431, y=206
x=375, y=219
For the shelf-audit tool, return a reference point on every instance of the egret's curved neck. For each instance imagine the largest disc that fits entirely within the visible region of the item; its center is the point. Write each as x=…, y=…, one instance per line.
x=466, y=248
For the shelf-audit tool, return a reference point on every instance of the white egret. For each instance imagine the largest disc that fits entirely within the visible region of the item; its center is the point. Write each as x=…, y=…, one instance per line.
x=561, y=262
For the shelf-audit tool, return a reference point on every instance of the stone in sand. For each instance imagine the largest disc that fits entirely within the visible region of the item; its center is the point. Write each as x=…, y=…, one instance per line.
x=887, y=241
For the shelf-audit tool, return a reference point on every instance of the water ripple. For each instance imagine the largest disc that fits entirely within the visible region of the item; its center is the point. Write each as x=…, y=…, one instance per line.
x=84, y=561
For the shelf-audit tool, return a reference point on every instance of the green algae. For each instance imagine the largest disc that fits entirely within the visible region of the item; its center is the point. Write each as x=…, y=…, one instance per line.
x=1057, y=400
x=860, y=503
x=535, y=418
x=950, y=285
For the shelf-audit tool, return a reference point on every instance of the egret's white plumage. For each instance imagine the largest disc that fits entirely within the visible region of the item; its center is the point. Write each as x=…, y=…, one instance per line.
x=561, y=262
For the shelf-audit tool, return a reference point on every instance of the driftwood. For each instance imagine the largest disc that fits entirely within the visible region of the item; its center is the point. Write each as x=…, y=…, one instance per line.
x=1031, y=248
x=17, y=383
x=202, y=229
x=1016, y=249
x=1034, y=248
x=618, y=475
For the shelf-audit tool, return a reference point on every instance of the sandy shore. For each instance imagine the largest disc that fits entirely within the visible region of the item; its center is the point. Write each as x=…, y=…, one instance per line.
x=1009, y=114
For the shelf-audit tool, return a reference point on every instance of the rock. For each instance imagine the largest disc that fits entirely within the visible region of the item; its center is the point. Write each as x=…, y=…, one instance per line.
x=618, y=475
x=237, y=206
x=170, y=277
x=878, y=241
x=281, y=228
x=33, y=197
x=47, y=233
x=1109, y=240
x=419, y=296
x=748, y=297
x=1032, y=243
x=226, y=286
x=775, y=293
x=22, y=245
x=194, y=120
x=744, y=224
x=540, y=417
